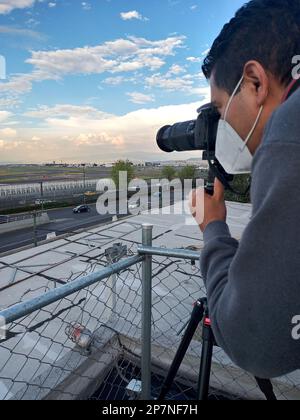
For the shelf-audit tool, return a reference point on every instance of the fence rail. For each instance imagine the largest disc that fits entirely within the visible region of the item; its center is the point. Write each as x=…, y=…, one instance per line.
x=23, y=309
x=35, y=188
x=171, y=253
x=19, y=217
x=99, y=335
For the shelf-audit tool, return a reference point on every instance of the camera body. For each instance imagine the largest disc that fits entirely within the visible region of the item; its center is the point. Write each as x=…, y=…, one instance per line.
x=200, y=135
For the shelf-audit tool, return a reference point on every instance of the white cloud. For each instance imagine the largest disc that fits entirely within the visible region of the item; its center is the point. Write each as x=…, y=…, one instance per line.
x=194, y=59
x=119, y=56
x=133, y=14
x=201, y=91
x=7, y=133
x=22, y=83
x=66, y=110
x=176, y=69
x=172, y=84
x=32, y=22
x=7, y=6
x=122, y=55
x=115, y=81
x=4, y=115
x=140, y=98
x=9, y=102
x=86, y=6
x=205, y=52
x=93, y=138
x=177, y=80
x=16, y=31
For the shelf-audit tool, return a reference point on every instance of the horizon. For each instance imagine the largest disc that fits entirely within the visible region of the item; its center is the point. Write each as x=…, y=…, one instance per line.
x=102, y=163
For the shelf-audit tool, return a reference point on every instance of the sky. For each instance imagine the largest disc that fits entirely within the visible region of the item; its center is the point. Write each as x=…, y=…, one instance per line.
x=93, y=81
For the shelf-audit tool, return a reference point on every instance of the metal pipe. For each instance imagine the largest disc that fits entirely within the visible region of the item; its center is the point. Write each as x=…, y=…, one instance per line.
x=171, y=253
x=34, y=229
x=22, y=309
x=146, y=315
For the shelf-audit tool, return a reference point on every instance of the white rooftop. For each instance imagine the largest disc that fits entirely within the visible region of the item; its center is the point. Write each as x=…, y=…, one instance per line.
x=26, y=273
x=29, y=273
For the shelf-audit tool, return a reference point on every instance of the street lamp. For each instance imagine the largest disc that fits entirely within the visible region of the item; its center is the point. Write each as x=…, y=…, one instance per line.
x=42, y=196
x=84, y=184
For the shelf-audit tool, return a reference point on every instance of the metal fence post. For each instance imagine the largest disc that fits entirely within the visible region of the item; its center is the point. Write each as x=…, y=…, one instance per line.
x=146, y=315
x=34, y=229
x=113, y=255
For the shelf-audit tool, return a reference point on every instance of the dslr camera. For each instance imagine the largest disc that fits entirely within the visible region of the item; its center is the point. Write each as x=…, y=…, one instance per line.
x=200, y=135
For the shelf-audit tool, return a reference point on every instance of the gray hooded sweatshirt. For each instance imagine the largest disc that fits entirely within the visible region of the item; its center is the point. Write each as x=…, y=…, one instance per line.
x=253, y=286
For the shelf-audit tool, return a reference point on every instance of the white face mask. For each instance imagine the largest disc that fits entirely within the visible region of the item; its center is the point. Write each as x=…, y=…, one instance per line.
x=231, y=150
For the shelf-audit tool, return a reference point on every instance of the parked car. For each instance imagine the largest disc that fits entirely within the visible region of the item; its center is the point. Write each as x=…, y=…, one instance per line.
x=82, y=209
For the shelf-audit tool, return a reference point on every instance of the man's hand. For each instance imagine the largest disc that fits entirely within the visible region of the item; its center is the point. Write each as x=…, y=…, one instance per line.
x=206, y=208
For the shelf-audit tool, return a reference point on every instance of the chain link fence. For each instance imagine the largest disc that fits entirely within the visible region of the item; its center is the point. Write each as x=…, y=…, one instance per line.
x=105, y=336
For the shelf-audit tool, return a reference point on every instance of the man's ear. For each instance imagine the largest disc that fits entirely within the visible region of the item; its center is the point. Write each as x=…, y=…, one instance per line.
x=256, y=76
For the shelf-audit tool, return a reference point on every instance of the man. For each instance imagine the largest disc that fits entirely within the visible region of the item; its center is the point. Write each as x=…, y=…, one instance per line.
x=253, y=287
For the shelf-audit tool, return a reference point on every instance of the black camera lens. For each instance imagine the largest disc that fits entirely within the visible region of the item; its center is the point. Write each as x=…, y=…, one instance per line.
x=192, y=135
x=177, y=138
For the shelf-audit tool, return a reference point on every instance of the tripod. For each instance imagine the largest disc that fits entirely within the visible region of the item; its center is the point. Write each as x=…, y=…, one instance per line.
x=200, y=312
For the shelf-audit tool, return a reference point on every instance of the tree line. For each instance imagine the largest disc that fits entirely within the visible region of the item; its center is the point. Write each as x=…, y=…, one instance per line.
x=240, y=183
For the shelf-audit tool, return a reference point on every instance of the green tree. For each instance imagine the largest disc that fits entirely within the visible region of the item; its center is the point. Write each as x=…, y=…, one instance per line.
x=187, y=172
x=122, y=166
x=240, y=184
x=169, y=172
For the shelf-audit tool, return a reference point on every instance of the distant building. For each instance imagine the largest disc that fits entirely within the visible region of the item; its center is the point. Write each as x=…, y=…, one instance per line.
x=153, y=164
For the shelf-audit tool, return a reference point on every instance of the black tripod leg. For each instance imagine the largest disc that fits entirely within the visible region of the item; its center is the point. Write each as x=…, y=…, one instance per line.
x=206, y=361
x=196, y=318
x=266, y=387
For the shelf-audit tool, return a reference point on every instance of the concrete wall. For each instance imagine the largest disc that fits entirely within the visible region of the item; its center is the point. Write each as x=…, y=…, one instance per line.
x=23, y=224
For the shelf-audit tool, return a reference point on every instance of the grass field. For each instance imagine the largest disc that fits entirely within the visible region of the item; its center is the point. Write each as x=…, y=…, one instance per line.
x=33, y=173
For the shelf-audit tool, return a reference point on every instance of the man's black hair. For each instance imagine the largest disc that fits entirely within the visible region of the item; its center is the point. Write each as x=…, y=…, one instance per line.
x=267, y=31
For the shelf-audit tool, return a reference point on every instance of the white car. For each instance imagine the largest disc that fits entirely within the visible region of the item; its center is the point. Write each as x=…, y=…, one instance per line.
x=133, y=206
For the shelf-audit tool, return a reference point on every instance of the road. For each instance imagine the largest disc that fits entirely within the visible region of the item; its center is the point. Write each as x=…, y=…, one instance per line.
x=62, y=221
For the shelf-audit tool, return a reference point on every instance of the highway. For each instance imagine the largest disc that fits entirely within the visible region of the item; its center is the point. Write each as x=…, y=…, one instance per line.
x=62, y=221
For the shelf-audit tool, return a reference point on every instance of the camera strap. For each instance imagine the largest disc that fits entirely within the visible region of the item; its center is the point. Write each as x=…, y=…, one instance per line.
x=219, y=173
x=292, y=88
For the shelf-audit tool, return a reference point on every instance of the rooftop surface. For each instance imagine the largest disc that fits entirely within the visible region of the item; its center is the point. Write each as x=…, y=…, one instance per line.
x=32, y=272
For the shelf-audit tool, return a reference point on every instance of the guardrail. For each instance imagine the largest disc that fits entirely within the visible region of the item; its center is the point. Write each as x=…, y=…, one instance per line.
x=19, y=217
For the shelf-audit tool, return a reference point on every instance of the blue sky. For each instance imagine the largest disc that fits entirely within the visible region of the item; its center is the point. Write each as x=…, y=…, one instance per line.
x=94, y=80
